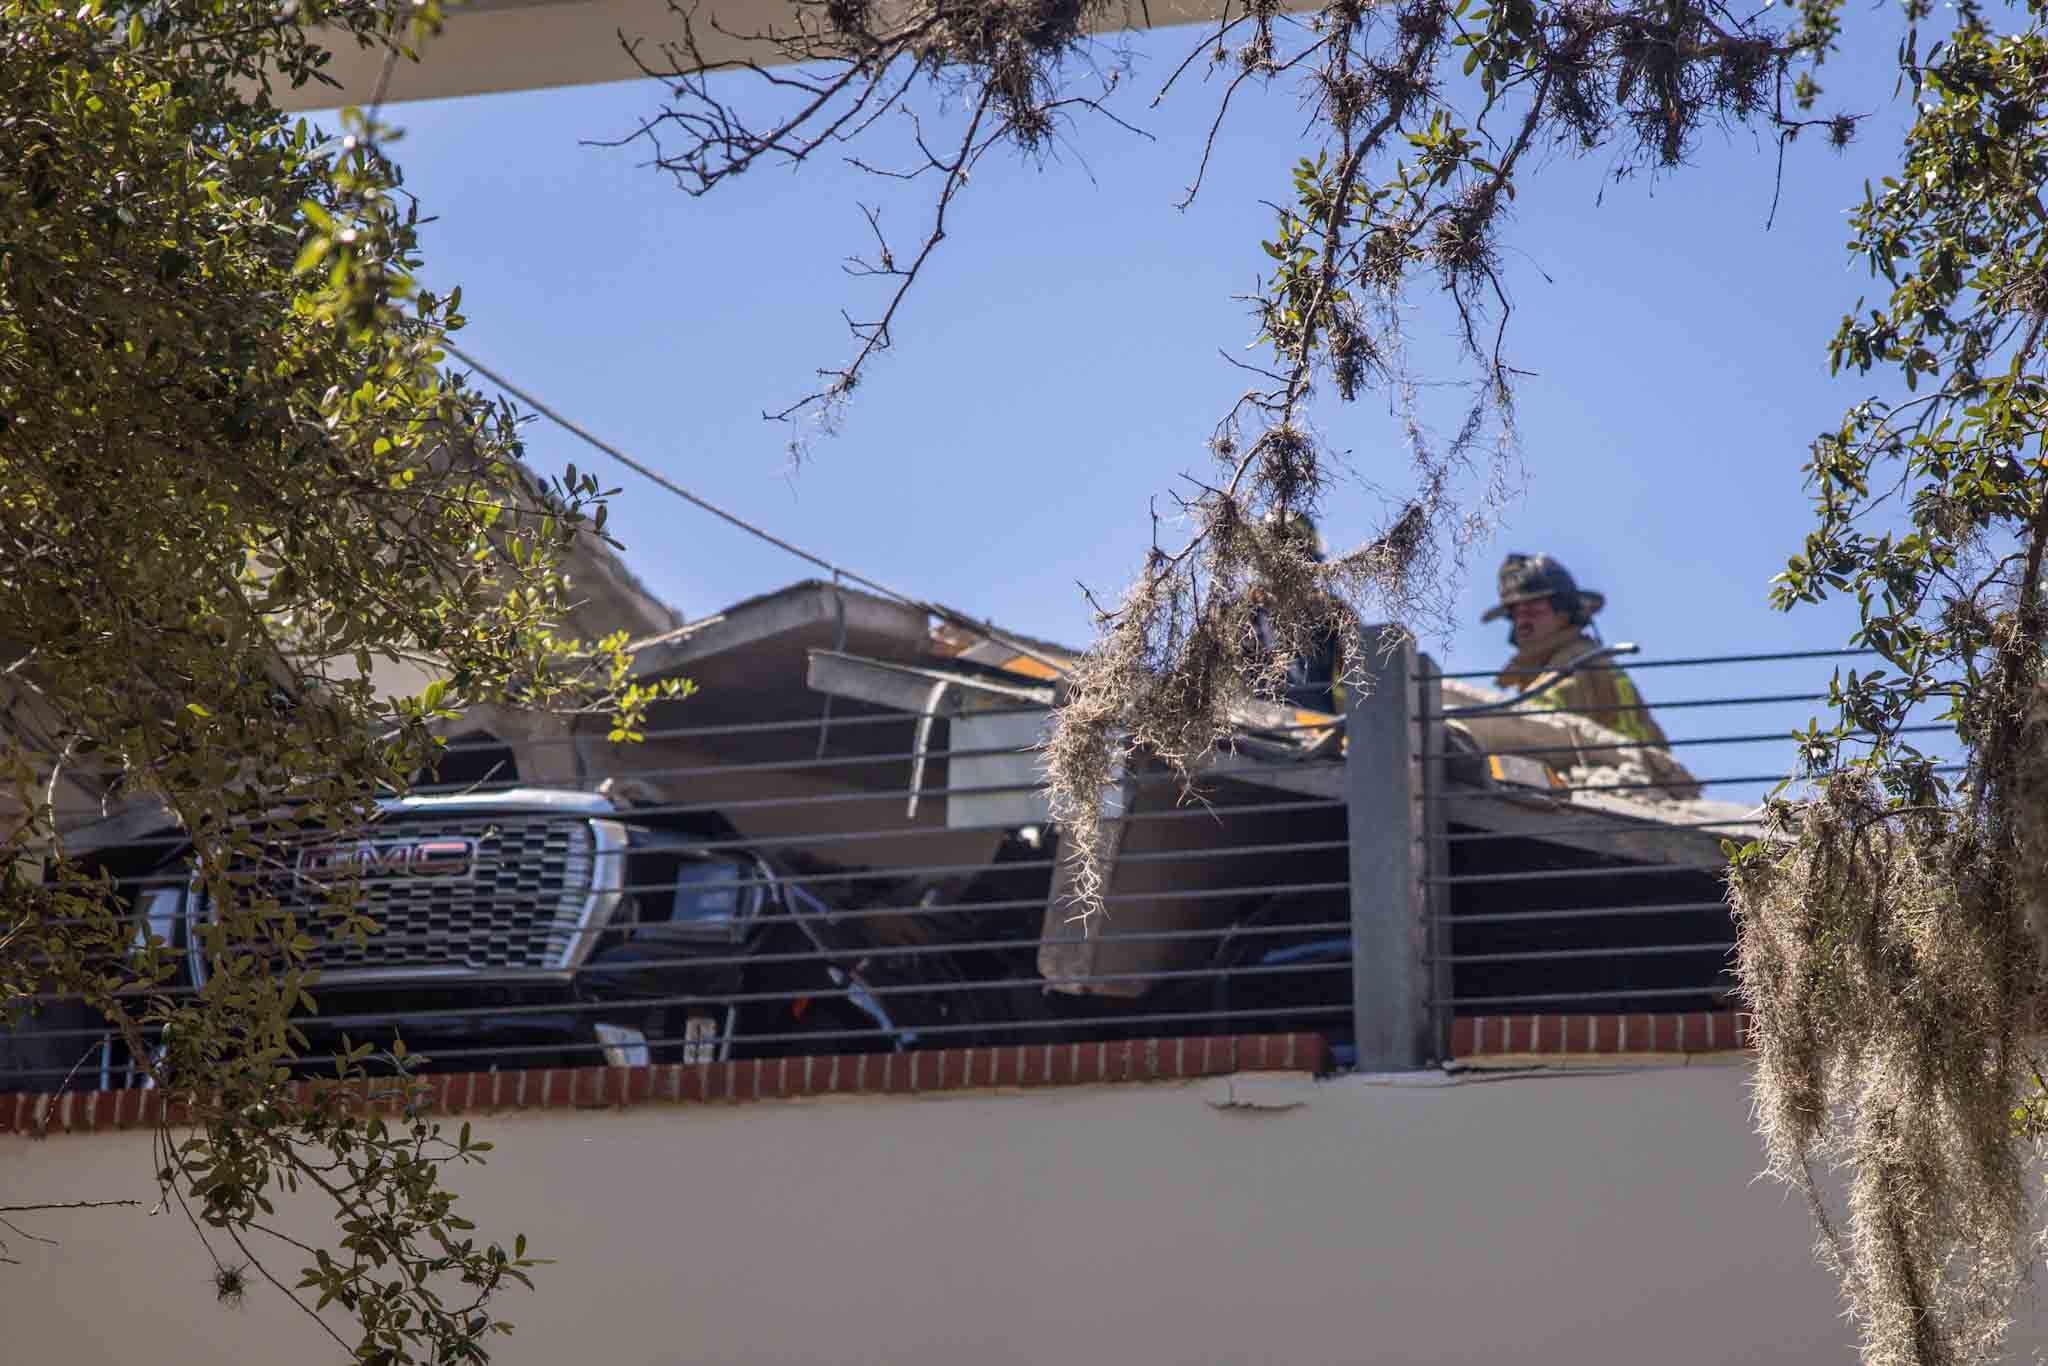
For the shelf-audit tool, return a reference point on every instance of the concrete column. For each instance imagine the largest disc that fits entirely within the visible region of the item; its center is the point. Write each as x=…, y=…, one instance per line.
x=1383, y=790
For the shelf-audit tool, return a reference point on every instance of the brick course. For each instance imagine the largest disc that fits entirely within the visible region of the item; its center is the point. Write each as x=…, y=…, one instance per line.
x=1011, y=1067
x=1702, y=1031
x=722, y=1083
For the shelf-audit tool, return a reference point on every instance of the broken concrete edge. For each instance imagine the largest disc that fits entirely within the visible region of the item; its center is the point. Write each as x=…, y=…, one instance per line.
x=1264, y=1092
x=934, y=1072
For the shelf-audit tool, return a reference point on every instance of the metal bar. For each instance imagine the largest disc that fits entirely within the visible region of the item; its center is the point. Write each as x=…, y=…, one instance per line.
x=692, y=732
x=1769, y=737
x=750, y=766
x=629, y=813
x=1184, y=813
x=1757, y=701
x=1525, y=793
x=806, y=764
x=1588, y=913
x=758, y=765
x=181, y=991
x=1563, y=955
x=939, y=1031
x=1562, y=874
x=861, y=950
x=646, y=1003
x=632, y=813
x=892, y=873
x=1382, y=788
x=812, y=955
x=1027, y=903
x=801, y=723
x=1706, y=659
x=1607, y=994
x=1656, y=828
x=756, y=728
x=918, y=950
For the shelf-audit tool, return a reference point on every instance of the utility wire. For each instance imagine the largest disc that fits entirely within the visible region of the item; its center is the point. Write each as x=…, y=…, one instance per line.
x=947, y=614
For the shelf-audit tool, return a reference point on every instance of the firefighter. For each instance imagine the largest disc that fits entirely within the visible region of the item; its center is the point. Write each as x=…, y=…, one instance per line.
x=1552, y=618
x=1313, y=680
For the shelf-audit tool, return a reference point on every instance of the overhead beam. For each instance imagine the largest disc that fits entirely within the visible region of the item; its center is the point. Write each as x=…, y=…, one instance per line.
x=494, y=46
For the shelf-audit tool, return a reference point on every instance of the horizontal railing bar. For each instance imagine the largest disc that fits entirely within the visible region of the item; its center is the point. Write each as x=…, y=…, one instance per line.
x=900, y=718
x=850, y=761
x=895, y=873
x=1004, y=1026
x=1760, y=738
x=1493, y=794
x=898, y=794
x=1618, y=831
x=1604, y=994
x=874, y=1032
x=1031, y=903
x=805, y=765
x=1565, y=955
x=1684, y=703
x=739, y=728
x=1457, y=919
x=813, y=992
x=930, y=756
x=629, y=813
x=1847, y=652
x=866, y=950
x=1181, y=813
x=815, y=799
x=796, y=764
x=811, y=723
x=746, y=804
x=1562, y=874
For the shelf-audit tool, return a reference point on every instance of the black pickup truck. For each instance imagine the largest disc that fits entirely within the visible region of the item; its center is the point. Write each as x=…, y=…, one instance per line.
x=527, y=927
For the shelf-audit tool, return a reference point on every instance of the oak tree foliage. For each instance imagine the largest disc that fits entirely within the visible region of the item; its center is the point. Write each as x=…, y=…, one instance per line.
x=235, y=486
x=1893, y=925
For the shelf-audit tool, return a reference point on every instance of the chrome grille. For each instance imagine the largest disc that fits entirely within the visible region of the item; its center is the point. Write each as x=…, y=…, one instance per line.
x=523, y=907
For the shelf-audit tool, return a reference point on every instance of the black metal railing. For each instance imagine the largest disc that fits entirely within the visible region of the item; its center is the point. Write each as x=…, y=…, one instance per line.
x=833, y=883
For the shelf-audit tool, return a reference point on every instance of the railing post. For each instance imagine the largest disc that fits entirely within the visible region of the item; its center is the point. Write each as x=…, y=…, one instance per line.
x=1436, y=860
x=1383, y=789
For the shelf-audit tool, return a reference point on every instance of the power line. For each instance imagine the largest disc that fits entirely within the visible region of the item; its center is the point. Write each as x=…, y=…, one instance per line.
x=662, y=481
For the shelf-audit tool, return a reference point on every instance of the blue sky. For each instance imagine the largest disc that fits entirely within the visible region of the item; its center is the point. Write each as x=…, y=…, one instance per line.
x=1059, y=366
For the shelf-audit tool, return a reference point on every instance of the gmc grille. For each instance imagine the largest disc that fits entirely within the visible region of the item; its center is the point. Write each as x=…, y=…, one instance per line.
x=536, y=888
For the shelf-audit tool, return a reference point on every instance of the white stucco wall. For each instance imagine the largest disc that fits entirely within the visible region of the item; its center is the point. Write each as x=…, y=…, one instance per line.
x=1565, y=1218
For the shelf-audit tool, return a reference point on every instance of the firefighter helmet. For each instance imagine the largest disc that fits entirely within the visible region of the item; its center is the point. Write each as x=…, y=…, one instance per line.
x=1528, y=578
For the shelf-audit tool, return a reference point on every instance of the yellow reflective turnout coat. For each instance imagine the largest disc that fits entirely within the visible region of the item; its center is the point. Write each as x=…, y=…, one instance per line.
x=1602, y=693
